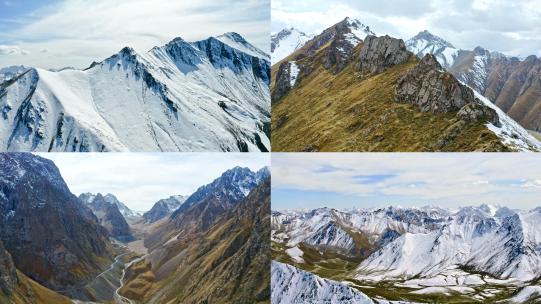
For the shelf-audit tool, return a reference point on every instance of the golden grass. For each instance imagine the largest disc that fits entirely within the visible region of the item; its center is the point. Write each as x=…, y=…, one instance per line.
x=353, y=112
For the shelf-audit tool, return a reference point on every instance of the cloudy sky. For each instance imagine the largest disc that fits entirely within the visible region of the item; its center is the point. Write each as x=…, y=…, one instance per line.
x=511, y=27
x=365, y=180
x=141, y=179
x=60, y=33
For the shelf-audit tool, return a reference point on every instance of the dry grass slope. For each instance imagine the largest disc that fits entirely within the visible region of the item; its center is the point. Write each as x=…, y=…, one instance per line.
x=353, y=112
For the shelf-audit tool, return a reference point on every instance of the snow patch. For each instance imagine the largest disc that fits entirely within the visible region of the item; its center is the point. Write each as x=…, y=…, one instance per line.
x=296, y=254
x=293, y=73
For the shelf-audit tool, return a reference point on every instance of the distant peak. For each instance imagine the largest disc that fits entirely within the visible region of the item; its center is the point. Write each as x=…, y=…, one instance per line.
x=428, y=36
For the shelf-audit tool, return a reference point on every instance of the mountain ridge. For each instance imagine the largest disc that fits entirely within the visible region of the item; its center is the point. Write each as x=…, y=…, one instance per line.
x=359, y=81
x=507, y=81
x=71, y=109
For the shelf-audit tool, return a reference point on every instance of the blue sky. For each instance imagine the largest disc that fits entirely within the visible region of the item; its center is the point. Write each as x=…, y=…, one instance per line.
x=141, y=179
x=511, y=27
x=366, y=180
x=60, y=33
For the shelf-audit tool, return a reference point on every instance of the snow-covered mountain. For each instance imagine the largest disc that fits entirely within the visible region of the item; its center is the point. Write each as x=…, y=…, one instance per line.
x=478, y=252
x=332, y=227
x=287, y=41
x=164, y=207
x=358, y=30
x=231, y=187
x=427, y=43
x=209, y=95
x=293, y=285
x=505, y=244
x=238, y=42
x=88, y=198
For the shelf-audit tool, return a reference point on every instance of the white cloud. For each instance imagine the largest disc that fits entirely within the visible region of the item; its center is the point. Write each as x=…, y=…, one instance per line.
x=141, y=179
x=77, y=32
x=506, y=26
x=442, y=179
x=531, y=184
x=12, y=50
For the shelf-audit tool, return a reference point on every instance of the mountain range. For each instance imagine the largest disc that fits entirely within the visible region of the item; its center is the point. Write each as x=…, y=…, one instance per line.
x=212, y=248
x=472, y=254
x=371, y=93
x=58, y=248
x=509, y=82
x=208, y=95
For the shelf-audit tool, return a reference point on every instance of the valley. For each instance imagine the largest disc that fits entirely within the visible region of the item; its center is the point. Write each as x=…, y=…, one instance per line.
x=206, y=246
x=473, y=255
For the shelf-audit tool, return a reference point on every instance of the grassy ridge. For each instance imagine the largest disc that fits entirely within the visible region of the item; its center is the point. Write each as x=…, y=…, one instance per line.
x=353, y=112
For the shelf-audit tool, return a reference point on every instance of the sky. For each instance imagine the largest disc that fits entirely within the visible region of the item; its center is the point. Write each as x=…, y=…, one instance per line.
x=510, y=27
x=141, y=179
x=61, y=33
x=367, y=180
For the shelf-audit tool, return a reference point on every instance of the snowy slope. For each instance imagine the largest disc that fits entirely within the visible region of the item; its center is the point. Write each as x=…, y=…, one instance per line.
x=287, y=41
x=292, y=285
x=505, y=244
x=511, y=133
x=236, y=41
x=183, y=96
x=428, y=243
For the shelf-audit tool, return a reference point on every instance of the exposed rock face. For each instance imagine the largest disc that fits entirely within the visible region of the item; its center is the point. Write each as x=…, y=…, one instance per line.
x=51, y=237
x=437, y=91
x=282, y=85
x=347, y=35
x=163, y=208
x=378, y=54
x=8, y=274
x=432, y=89
x=108, y=214
x=512, y=84
x=473, y=112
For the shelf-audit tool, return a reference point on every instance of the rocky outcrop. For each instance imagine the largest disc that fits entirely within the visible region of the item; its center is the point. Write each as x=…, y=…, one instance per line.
x=282, y=84
x=8, y=273
x=378, y=54
x=514, y=85
x=432, y=89
x=475, y=111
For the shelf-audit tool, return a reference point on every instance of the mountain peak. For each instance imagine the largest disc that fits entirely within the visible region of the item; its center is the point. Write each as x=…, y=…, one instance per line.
x=431, y=38
x=234, y=36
